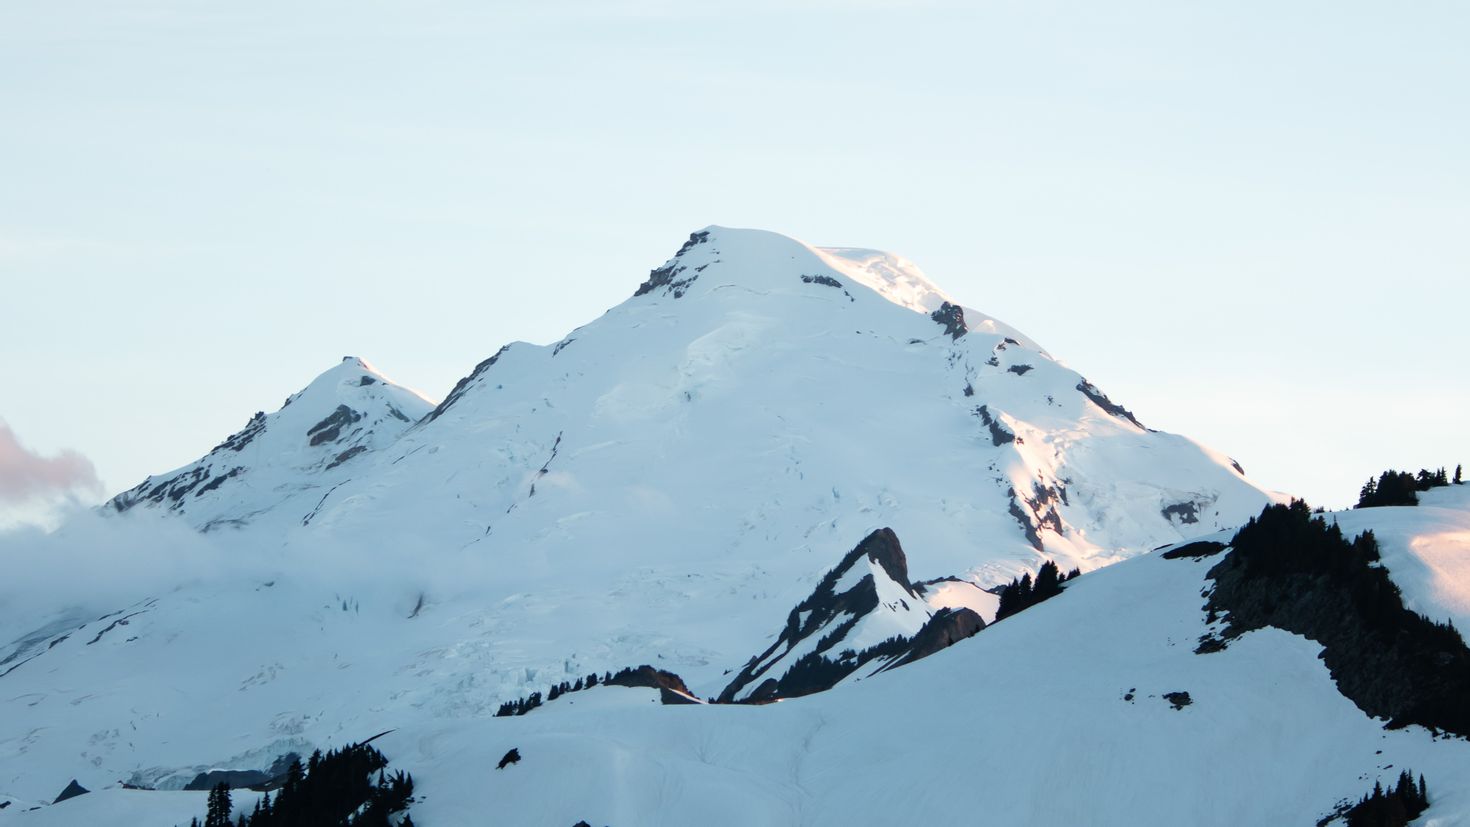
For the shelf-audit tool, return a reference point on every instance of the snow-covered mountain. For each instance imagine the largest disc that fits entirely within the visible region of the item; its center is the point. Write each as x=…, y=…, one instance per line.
x=710, y=478
x=277, y=460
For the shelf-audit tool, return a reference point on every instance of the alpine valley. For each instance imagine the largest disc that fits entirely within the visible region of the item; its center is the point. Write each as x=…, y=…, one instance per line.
x=789, y=537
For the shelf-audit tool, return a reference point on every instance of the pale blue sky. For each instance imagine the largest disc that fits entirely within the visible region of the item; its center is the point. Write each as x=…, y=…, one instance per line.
x=1248, y=221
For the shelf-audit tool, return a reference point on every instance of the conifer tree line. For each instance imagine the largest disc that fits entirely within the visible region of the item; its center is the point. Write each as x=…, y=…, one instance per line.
x=1390, y=808
x=644, y=675
x=1023, y=593
x=1403, y=487
x=1292, y=569
x=530, y=702
x=336, y=789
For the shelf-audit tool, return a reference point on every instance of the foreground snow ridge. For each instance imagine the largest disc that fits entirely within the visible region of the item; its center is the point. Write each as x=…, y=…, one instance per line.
x=700, y=493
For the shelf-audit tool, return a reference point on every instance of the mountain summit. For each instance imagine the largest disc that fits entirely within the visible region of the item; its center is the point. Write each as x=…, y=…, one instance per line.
x=279, y=458
x=668, y=484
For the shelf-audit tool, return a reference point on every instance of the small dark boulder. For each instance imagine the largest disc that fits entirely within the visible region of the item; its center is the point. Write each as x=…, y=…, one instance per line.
x=72, y=791
x=1178, y=700
x=512, y=757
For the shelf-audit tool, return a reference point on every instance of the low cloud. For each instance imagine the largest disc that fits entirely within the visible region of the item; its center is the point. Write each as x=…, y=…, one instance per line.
x=26, y=475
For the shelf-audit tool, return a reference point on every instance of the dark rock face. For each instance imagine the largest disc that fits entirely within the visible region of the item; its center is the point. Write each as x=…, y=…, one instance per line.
x=828, y=281
x=234, y=779
x=953, y=319
x=667, y=277
x=346, y=455
x=946, y=628
x=173, y=488
x=1038, y=511
x=330, y=429
x=1187, y=513
x=72, y=791
x=1291, y=570
x=695, y=239
x=648, y=677
x=365, y=381
x=462, y=385
x=1029, y=528
x=1178, y=700
x=219, y=480
x=238, y=440
x=512, y=757
x=999, y=433
x=820, y=609
x=1194, y=551
x=818, y=615
x=1101, y=400
x=1019, y=370
x=196, y=480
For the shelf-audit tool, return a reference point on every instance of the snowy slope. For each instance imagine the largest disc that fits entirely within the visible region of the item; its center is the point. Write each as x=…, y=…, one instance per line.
x=661, y=486
x=315, y=440
x=1426, y=549
x=1055, y=716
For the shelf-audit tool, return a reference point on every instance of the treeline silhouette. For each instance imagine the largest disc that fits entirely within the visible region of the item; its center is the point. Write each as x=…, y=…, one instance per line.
x=1390, y=808
x=335, y=789
x=1291, y=569
x=1023, y=593
x=815, y=672
x=645, y=676
x=1403, y=487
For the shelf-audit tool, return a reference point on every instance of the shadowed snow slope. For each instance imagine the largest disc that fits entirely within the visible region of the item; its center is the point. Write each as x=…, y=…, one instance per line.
x=661, y=486
x=1055, y=716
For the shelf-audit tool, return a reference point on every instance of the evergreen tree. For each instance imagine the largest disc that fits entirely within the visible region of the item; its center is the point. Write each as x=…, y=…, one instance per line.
x=1048, y=582
x=294, y=775
x=218, y=812
x=1458, y=479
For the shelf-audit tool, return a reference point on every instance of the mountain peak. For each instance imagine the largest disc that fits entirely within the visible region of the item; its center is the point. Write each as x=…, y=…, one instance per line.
x=765, y=262
x=348, y=410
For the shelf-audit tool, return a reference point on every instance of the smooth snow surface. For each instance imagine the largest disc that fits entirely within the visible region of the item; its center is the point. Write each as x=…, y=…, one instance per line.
x=662, y=486
x=1426, y=549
